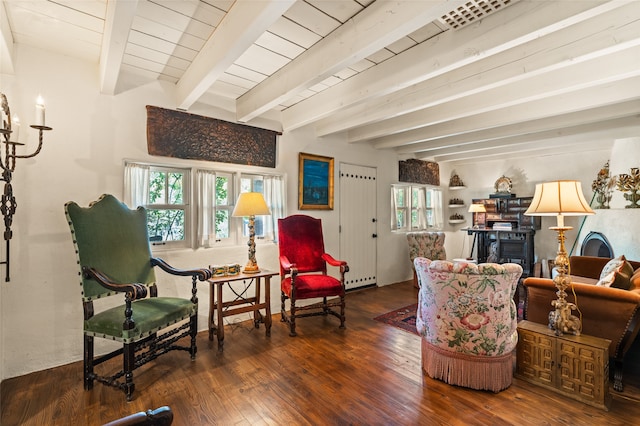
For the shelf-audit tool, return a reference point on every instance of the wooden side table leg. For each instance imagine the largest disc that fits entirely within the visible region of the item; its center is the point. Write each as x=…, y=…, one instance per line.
x=257, y=316
x=212, y=302
x=267, y=302
x=220, y=327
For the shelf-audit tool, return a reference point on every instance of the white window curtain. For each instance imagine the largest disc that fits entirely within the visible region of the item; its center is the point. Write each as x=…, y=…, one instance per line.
x=422, y=208
x=206, y=202
x=438, y=214
x=274, y=195
x=136, y=184
x=394, y=207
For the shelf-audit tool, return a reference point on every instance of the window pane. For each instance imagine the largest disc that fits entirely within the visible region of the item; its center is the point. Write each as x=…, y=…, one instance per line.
x=400, y=198
x=222, y=191
x=165, y=224
x=414, y=196
x=157, y=182
x=401, y=218
x=175, y=188
x=222, y=224
x=245, y=185
x=414, y=218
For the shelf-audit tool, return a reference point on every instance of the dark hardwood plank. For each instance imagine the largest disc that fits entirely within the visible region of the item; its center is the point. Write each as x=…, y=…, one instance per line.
x=367, y=374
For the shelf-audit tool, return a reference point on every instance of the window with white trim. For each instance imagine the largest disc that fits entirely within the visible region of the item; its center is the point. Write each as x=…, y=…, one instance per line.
x=172, y=206
x=416, y=207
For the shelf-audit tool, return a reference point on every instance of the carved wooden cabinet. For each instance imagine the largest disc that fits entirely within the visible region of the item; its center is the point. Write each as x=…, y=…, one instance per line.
x=575, y=366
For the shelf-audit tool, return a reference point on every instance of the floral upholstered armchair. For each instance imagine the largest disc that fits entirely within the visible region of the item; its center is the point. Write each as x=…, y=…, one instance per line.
x=425, y=244
x=467, y=320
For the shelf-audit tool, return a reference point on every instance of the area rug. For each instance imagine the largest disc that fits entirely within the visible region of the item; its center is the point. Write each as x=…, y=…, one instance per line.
x=403, y=318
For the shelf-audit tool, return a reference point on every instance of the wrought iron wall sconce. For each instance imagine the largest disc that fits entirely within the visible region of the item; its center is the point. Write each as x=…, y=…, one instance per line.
x=8, y=159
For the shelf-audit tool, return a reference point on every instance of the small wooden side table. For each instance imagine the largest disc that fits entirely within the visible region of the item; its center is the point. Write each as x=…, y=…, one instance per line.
x=241, y=303
x=575, y=366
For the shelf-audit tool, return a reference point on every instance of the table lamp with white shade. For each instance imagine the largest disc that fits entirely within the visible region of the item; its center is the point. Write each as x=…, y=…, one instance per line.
x=251, y=204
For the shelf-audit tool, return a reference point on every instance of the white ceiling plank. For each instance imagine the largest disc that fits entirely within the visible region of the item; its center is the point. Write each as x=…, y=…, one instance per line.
x=555, y=123
x=163, y=32
x=294, y=32
x=543, y=150
x=628, y=90
x=542, y=55
x=425, y=33
x=376, y=26
x=118, y=21
x=6, y=43
x=97, y=8
x=277, y=44
x=513, y=26
x=245, y=73
x=261, y=60
x=311, y=18
x=68, y=13
x=601, y=130
x=576, y=77
x=340, y=10
x=243, y=24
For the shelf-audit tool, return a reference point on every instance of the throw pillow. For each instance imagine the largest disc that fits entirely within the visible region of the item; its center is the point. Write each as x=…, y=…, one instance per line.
x=616, y=273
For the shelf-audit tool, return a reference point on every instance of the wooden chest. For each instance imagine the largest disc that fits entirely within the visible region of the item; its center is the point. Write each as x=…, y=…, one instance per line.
x=575, y=366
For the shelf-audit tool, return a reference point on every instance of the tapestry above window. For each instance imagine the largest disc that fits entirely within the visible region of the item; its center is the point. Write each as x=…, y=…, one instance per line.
x=180, y=134
x=419, y=171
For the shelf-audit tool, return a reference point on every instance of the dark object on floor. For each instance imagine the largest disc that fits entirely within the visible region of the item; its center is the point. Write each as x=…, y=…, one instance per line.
x=162, y=416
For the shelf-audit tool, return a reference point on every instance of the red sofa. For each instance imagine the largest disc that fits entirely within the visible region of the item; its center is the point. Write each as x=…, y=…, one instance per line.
x=607, y=312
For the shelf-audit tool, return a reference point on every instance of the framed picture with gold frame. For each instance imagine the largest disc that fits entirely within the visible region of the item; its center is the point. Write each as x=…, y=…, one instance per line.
x=315, y=182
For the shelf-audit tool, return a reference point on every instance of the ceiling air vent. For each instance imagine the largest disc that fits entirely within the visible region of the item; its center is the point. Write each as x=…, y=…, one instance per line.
x=472, y=11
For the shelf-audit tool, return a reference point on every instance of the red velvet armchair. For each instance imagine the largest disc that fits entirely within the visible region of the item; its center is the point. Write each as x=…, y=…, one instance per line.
x=303, y=271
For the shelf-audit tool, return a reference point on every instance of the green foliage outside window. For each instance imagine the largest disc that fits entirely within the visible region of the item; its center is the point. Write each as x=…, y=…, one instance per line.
x=166, y=189
x=222, y=199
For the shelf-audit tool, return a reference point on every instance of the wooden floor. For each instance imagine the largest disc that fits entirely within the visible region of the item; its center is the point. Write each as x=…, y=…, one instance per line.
x=368, y=374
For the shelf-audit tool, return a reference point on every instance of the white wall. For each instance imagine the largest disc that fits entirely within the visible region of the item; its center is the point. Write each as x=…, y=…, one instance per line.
x=621, y=226
x=82, y=158
x=40, y=308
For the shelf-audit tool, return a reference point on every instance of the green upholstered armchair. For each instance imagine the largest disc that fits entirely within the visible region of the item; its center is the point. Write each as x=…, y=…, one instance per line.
x=112, y=246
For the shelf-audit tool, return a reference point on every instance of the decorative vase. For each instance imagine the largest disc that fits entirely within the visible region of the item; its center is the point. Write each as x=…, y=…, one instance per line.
x=629, y=184
x=602, y=186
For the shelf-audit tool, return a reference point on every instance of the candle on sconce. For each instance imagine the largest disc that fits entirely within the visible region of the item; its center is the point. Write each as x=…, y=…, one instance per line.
x=39, y=112
x=15, y=128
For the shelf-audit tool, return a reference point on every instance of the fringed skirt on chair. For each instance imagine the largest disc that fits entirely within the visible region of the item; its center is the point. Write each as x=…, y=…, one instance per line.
x=493, y=373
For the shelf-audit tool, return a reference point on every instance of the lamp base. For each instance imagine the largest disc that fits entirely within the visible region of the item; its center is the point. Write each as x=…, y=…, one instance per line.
x=561, y=320
x=251, y=269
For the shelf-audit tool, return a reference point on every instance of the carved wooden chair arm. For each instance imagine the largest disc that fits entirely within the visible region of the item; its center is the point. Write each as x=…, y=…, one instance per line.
x=334, y=262
x=133, y=290
x=287, y=266
x=202, y=274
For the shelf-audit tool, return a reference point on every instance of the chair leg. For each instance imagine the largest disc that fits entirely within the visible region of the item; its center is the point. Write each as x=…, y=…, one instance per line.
x=617, y=375
x=88, y=362
x=342, y=316
x=193, y=332
x=283, y=312
x=129, y=364
x=292, y=319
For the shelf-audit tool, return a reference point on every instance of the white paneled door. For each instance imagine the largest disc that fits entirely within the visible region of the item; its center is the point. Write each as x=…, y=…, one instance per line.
x=358, y=224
